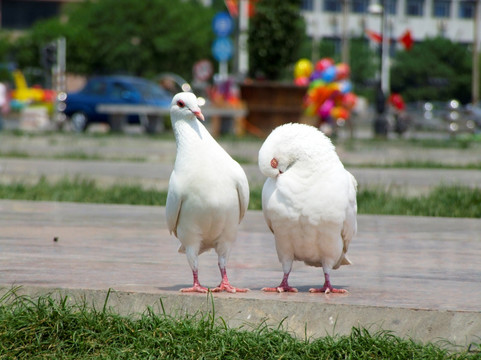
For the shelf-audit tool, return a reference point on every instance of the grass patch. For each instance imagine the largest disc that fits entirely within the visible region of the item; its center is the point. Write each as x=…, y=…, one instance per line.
x=46, y=328
x=458, y=142
x=414, y=164
x=445, y=201
x=82, y=191
x=73, y=155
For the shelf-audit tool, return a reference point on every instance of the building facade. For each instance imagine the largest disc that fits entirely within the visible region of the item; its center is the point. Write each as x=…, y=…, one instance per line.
x=453, y=19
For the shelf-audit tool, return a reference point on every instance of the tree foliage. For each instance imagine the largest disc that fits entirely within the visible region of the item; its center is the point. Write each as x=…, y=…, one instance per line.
x=136, y=37
x=276, y=32
x=435, y=69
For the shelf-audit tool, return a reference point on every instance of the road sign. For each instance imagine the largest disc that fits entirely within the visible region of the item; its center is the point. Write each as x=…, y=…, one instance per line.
x=203, y=70
x=222, y=48
x=222, y=24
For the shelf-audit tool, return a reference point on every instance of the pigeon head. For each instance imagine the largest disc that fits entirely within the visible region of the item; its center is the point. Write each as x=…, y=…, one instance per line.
x=290, y=145
x=184, y=106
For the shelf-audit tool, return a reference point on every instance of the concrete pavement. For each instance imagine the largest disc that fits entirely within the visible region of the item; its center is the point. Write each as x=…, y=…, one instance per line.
x=416, y=276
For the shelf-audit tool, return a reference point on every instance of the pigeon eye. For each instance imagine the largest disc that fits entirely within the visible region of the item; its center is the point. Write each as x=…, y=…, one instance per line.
x=180, y=103
x=274, y=163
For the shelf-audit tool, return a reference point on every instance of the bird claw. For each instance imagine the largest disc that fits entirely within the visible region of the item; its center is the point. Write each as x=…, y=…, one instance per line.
x=280, y=289
x=196, y=288
x=228, y=288
x=328, y=290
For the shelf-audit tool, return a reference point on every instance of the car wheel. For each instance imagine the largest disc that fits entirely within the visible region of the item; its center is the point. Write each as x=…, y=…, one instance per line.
x=79, y=121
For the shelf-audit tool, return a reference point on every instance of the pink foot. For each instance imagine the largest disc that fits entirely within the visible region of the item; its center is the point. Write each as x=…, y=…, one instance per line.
x=283, y=287
x=196, y=288
x=225, y=286
x=280, y=289
x=327, y=288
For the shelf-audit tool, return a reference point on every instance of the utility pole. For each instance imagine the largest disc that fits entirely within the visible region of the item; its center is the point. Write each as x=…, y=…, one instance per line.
x=243, y=51
x=475, y=49
x=345, y=32
x=385, y=49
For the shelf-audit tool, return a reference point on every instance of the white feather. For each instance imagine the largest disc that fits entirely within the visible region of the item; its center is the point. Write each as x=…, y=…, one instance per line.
x=309, y=199
x=208, y=191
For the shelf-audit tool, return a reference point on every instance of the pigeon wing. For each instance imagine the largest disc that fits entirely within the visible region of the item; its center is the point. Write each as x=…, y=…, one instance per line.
x=173, y=205
x=349, y=228
x=242, y=187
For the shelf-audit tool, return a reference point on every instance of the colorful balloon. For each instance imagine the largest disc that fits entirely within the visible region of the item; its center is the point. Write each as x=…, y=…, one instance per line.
x=349, y=100
x=329, y=74
x=325, y=109
x=345, y=86
x=329, y=94
x=338, y=112
x=323, y=64
x=342, y=71
x=303, y=68
x=301, y=81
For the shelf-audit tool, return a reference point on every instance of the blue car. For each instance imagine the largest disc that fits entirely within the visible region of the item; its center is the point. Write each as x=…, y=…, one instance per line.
x=81, y=106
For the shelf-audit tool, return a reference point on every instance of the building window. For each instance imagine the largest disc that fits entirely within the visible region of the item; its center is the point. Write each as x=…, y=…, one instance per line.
x=415, y=7
x=332, y=5
x=441, y=8
x=23, y=14
x=359, y=6
x=466, y=9
x=391, y=7
x=307, y=5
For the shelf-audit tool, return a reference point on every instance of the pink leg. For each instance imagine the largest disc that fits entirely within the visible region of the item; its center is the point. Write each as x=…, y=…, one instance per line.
x=283, y=287
x=225, y=285
x=197, y=287
x=327, y=288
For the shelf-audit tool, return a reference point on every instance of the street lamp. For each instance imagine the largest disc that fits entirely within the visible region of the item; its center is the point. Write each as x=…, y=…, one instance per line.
x=382, y=89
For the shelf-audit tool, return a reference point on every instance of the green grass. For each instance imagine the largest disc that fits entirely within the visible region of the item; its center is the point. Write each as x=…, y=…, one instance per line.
x=83, y=191
x=445, y=201
x=415, y=164
x=48, y=328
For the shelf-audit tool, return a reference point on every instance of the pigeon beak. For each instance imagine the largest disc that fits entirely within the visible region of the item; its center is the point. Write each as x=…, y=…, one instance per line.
x=198, y=115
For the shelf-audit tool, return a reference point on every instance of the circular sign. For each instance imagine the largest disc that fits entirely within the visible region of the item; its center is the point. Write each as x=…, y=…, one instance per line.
x=222, y=24
x=203, y=70
x=222, y=48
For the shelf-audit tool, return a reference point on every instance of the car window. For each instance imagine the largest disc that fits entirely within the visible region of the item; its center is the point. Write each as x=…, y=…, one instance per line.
x=118, y=89
x=151, y=91
x=96, y=88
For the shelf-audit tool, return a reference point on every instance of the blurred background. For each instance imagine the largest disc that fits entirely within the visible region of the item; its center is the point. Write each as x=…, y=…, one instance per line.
x=372, y=67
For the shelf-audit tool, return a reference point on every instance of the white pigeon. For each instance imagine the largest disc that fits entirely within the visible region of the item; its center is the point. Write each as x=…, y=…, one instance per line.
x=208, y=192
x=308, y=200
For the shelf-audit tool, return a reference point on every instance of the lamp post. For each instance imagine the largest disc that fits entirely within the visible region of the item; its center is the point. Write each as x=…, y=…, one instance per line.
x=382, y=88
x=345, y=32
x=475, y=70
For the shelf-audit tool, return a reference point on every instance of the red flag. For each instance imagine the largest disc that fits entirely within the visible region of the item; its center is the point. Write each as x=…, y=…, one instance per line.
x=374, y=36
x=407, y=40
x=233, y=7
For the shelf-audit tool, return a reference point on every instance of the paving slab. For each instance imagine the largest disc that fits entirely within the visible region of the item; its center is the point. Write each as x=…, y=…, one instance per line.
x=417, y=276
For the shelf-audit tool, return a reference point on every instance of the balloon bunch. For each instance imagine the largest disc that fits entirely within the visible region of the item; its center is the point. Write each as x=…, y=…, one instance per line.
x=329, y=94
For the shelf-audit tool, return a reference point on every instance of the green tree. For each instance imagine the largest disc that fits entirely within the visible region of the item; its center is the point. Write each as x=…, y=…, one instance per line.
x=435, y=69
x=276, y=32
x=139, y=37
x=136, y=37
